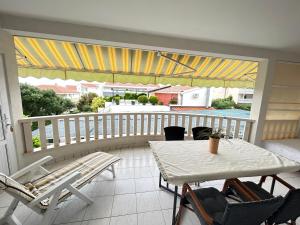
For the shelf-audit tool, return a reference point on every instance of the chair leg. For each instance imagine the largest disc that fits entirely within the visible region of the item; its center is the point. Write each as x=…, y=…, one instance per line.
x=49, y=216
x=80, y=195
x=181, y=206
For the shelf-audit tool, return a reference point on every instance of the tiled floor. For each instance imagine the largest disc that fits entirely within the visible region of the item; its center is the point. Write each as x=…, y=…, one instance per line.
x=132, y=198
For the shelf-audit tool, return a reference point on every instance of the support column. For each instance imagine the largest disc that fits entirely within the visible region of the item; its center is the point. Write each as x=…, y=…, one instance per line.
x=262, y=91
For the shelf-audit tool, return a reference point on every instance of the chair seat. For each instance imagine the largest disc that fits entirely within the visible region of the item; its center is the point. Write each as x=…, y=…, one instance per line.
x=259, y=191
x=212, y=200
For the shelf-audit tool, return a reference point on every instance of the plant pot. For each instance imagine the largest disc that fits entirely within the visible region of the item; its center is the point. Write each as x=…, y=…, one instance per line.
x=213, y=145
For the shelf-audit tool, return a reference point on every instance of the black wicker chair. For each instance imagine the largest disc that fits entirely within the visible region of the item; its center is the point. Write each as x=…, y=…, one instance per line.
x=287, y=213
x=201, y=133
x=212, y=208
x=174, y=133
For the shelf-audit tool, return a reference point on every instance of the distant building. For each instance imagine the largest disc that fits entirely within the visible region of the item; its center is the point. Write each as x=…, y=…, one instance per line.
x=185, y=96
x=245, y=96
x=112, y=89
x=68, y=91
x=85, y=88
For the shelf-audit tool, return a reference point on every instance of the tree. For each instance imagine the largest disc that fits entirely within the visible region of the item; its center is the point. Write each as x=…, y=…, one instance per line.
x=38, y=102
x=143, y=99
x=117, y=99
x=153, y=100
x=85, y=102
x=97, y=102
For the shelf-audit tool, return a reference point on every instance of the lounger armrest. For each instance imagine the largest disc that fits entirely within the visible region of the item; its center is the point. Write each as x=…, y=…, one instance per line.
x=276, y=178
x=31, y=167
x=58, y=187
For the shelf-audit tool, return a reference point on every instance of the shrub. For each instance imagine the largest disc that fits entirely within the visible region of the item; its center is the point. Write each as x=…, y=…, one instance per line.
x=85, y=102
x=97, y=102
x=243, y=106
x=143, y=99
x=130, y=96
x=153, y=100
x=117, y=100
x=173, y=101
x=36, y=142
x=223, y=103
x=160, y=103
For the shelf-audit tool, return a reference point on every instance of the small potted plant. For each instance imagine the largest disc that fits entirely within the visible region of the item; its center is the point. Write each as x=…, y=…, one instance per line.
x=214, y=140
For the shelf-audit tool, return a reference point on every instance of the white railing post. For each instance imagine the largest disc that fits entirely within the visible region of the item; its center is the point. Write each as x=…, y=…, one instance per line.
x=135, y=124
x=42, y=131
x=228, y=127
x=120, y=125
x=112, y=124
x=77, y=129
x=104, y=126
x=247, y=131
x=87, y=128
x=162, y=125
x=128, y=124
x=55, y=132
x=149, y=117
x=189, y=131
x=96, y=128
x=67, y=131
x=155, y=123
x=237, y=128
x=28, y=136
x=142, y=123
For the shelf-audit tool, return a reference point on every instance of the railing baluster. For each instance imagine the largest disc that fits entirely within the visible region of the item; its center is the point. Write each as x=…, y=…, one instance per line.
x=120, y=125
x=162, y=125
x=205, y=121
x=28, y=136
x=149, y=116
x=96, y=128
x=67, y=131
x=176, y=119
x=169, y=119
x=247, y=131
x=220, y=123
x=183, y=121
x=212, y=122
x=190, y=126
x=155, y=123
x=77, y=129
x=197, y=121
x=104, y=126
x=135, y=124
x=237, y=128
x=142, y=123
x=228, y=127
x=112, y=124
x=42, y=131
x=87, y=128
x=128, y=123
x=55, y=132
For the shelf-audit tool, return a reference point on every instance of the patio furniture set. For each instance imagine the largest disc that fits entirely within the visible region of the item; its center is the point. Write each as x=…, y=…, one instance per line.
x=180, y=163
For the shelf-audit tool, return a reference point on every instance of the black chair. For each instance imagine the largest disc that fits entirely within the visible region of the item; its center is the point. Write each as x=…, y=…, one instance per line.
x=174, y=133
x=201, y=133
x=288, y=211
x=212, y=208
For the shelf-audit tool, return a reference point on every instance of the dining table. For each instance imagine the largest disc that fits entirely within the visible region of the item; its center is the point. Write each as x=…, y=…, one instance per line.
x=190, y=161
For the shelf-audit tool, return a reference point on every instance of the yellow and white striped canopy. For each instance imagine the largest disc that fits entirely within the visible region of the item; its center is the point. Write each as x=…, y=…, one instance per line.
x=61, y=59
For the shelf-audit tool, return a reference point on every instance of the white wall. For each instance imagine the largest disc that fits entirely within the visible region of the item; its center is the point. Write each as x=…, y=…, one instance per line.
x=189, y=98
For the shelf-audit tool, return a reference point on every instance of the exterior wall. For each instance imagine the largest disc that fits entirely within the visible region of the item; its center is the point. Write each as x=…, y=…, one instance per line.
x=195, y=97
x=166, y=97
x=284, y=101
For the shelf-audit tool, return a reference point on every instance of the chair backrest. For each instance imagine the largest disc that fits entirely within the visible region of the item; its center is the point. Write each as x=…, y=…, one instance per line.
x=289, y=210
x=15, y=189
x=250, y=213
x=174, y=133
x=201, y=133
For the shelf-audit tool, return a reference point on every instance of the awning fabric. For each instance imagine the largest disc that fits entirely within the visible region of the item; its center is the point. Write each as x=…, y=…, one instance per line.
x=60, y=59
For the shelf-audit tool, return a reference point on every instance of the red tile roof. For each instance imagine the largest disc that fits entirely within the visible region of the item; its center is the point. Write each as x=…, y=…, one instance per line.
x=59, y=89
x=90, y=85
x=130, y=85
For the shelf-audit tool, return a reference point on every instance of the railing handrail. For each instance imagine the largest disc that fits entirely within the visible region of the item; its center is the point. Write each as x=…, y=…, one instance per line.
x=37, y=118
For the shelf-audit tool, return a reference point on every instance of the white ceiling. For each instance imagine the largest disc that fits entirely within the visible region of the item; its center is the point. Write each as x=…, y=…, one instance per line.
x=273, y=24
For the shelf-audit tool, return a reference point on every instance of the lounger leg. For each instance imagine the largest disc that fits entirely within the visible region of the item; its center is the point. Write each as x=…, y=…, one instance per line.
x=9, y=217
x=174, y=205
x=83, y=197
x=113, y=170
x=49, y=216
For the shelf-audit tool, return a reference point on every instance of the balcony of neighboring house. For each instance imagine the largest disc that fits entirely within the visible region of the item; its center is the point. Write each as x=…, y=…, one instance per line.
x=180, y=73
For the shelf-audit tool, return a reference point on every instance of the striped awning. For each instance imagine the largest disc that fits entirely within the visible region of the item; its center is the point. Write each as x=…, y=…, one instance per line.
x=68, y=60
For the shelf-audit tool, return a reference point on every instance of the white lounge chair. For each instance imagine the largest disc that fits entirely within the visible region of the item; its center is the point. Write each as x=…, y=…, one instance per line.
x=45, y=193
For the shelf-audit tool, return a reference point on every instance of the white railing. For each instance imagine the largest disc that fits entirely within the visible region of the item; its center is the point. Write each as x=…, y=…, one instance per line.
x=62, y=130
